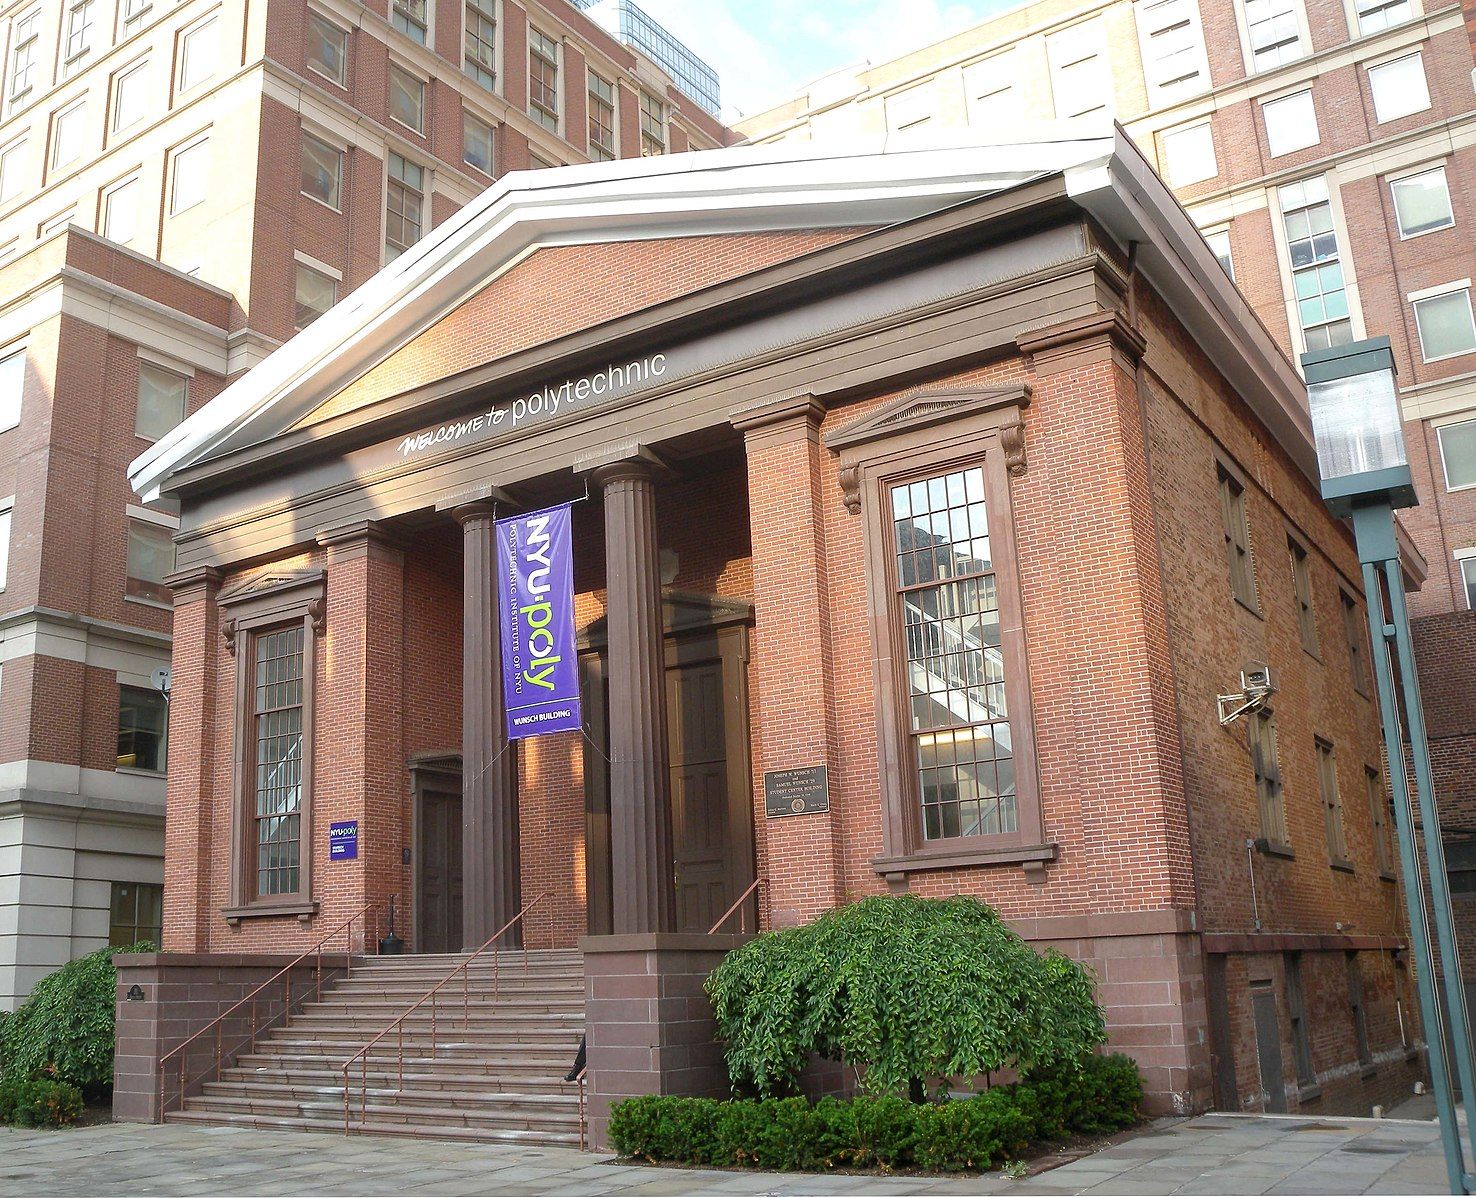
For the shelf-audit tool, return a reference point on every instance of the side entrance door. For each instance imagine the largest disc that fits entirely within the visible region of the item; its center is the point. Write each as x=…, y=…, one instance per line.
x=438, y=874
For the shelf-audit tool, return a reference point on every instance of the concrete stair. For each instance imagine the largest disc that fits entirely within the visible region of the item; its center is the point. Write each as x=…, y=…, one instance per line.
x=485, y=1069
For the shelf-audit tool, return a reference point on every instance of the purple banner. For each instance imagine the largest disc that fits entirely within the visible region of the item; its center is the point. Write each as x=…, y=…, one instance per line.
x=535, y=599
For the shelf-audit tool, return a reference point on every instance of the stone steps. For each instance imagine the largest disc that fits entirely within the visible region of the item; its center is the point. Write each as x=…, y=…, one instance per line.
x=493, y=1071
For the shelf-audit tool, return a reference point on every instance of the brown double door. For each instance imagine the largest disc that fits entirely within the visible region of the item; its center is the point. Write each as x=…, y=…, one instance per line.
x=711, y=798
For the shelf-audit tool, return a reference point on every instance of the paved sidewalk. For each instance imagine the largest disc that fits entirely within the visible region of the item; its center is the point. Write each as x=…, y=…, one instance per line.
x=1214, y=1154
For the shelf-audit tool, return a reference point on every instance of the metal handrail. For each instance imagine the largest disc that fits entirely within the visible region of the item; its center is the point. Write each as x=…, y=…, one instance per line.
x=728, y=914
x=218, y=1024
x=579, y=1079
x=362, y=1056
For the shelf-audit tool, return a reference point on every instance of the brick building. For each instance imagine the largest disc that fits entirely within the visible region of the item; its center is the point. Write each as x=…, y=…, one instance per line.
x=960, y=479
x=182, y=187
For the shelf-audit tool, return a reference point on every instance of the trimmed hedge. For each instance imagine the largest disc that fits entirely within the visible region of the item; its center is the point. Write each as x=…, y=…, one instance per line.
x=1096, y=1096
x=39, y=1102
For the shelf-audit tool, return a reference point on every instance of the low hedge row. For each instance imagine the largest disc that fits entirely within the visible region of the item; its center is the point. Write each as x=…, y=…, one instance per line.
x=39, y=1102
x=1101, y=1095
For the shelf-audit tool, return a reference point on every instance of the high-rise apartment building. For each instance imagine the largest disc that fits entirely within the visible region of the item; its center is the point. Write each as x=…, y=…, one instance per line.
x=1327, y=151
x=182, y=187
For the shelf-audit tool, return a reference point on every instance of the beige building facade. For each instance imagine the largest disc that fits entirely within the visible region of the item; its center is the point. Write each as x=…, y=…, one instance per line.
x=183, y=187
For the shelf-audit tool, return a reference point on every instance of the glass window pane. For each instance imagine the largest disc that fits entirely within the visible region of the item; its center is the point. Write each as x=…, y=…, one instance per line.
x=1445, y=324
x=1458, y=453
x=1422, y=203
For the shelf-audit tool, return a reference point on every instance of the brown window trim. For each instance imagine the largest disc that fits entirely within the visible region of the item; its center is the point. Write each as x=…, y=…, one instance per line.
x=1225, y=465
x=264, y=604
x=916, y=436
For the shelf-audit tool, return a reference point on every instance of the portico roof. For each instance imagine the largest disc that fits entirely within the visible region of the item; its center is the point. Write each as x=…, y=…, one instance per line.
x=741, y=190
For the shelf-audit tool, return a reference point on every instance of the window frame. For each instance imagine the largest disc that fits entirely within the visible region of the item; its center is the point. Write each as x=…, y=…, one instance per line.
x=74, y=111
x=1314, y=267
x=1355, y=633
x=1169, y=136
x=1296, y=1005
x=312, y=268
x=390, y=183
x=186, y=39
x=16, y=146
x=184, y=375
x=991, y=89
x=480, y=66
x=1071, y=40
x=256, y=608
x=1444, y=461
x=1240, y=554
x=653, y=146
x=1270, y=787
x=162, y=768
x=973, y=428
x=134, y=72
x=20, y=79
x=1380, y=811
x=1280, y=104
x=1160, y=93
x=1394, y=182
x=138, y=889
x=335, y=203
x=78, y=27
x=405, y=18
x=1466, y=568
x=1358, y=1009
x=468, y=117
x=196, y=145
x=540, y=111
x=14, y=350
x=1303, y=592
x=145, y=590
x=106, y=199
x=1334, y=822
x=1373, y=92
x=1247, y=45
x=398, y=72
x=1463, y=287
x=315, y=18
x=599, y=151
x=7, y=528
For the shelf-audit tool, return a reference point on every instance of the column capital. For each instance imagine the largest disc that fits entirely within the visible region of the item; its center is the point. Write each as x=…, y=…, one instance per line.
x=481, y=509
x=194, y=583
x=1099, y=336
x=360, y=534
x=777, y=421
x=604, y=463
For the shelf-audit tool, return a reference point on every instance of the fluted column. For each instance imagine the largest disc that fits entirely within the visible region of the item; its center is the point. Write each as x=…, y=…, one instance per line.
x=640, y=803
x=491, y=879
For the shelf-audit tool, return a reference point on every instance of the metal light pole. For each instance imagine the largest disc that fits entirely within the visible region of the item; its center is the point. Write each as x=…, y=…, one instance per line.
x=1365, y=475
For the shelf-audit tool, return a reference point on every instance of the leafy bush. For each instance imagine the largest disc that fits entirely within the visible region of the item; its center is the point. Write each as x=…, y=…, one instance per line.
x=910, y=988
x=39, y=1102
x=1094, y=1096
x=65, y=1030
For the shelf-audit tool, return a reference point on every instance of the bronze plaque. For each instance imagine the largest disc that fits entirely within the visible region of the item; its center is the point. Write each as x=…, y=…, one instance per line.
x=796, y=792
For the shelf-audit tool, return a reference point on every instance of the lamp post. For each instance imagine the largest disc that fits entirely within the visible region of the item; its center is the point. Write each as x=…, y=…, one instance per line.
x=1365, y=475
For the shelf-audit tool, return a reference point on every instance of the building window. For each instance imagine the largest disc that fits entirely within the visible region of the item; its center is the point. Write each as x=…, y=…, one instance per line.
x=1445, y=324
x=1317, y=270
x=12, y=170
x=1302, y=590
x=79, y=33
x=150, y=560
x=1399, y=87
x=198, y=51
x=404, y=205
x=327, y=49
x=322, y=170
x=1422, y=202
x=56, y=224
x=129, y=102
x=1291, y=123
x=601, y=118
x=948, y=599
x=1274, y=32
x=1356, y=1009
x=1332, y=804
x=543, y=79
x=7, y=508
x=137, y=914
x=120, y=213
x=66, y=136
x=276, y=759
x=162, y=396
x=316, y=293
x=12, y=387
x=134, y=12
x=407, y=99
x=1219, y=243
x=1189, y=155
x=1296, y=1003
x=1468, y=580
x=1172, y=40
x=25, y=36
x=653, y=125
x=1236, y=527
x=191, y=175
x=1081, y=80
x=1458, y=453
x=1353, y=635
x=409, y=17
x=1374, y=15
x=143, y=724
x=1378, y=814
x=481, y=42
x=990, y=91
x=1261, y=728
x=476, y=143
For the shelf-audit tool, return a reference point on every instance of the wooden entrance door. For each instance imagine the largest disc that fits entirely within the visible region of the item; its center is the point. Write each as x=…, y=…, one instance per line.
x=711, y=790
x=438, y=889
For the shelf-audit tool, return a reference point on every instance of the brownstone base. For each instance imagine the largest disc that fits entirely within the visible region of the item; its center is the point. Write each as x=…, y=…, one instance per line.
x=650, y=1025
x=178, y=994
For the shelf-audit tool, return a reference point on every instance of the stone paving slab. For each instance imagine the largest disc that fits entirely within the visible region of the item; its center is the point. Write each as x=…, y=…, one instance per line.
x=1212, y=1154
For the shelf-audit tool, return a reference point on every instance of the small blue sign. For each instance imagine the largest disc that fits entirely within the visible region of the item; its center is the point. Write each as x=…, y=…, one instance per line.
x=343, y=841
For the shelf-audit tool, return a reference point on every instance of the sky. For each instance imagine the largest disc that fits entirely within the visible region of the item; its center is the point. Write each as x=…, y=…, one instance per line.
x=765, y=50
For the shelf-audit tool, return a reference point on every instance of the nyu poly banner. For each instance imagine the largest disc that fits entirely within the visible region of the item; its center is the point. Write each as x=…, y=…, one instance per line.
x=535, y=585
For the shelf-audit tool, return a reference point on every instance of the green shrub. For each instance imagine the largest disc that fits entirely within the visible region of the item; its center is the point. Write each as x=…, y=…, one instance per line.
x=1092, y=1096
x=908, y=988
x=39, y=1102
x=64, y=1031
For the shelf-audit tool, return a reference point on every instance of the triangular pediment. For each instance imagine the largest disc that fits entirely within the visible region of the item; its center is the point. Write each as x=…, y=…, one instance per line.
x=919, y=409
x=269, y=583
